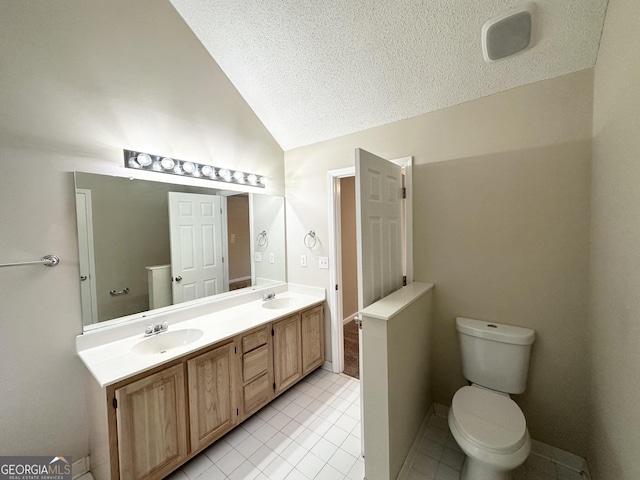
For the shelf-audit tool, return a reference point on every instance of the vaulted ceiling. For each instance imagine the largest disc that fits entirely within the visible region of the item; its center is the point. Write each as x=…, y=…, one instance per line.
x=318, y=69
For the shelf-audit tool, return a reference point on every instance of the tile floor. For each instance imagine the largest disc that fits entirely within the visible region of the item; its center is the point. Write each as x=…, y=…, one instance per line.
x=310, y=432
x=438, y=457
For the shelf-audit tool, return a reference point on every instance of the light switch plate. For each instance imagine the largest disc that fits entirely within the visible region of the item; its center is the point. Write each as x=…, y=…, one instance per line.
x=257, y=257
x=323, y=262
x=272, y=257
x=303, y=260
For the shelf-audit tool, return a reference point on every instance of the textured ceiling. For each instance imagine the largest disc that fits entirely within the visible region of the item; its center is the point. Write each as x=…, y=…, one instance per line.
x=318, y=69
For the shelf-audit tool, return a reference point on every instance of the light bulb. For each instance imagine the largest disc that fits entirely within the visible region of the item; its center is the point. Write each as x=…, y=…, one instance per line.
x=188, y=167
x=252, y=179
x=144, y=160
x=238, y=176
x=224, y=173
x=207, y=170
x=167, y=163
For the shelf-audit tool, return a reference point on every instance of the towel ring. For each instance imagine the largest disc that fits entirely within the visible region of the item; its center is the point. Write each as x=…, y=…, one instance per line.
x=262, y=238
x=308, y=238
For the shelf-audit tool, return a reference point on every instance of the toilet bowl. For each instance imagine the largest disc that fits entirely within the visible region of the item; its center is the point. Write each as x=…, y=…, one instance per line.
x=486, y=423
x=491, y=430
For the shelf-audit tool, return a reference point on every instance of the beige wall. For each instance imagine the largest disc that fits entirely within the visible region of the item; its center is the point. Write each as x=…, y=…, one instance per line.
x=349, y=246
x=81, y=81
x=396, y=383
x=615, y=249
x=501, y=227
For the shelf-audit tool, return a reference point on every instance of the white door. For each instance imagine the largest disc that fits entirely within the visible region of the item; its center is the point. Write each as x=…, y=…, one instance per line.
x=379, y=231
x=379, y=228
x=84, y=214
x=195, y=224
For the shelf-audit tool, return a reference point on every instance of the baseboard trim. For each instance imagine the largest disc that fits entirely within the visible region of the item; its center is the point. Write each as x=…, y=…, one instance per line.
x=349, y=318
x=80, y=467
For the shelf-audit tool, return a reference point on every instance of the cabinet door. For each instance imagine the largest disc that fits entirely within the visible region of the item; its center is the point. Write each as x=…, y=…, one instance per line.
x=287, y=349
x=212, y=404
x=312, y=325
x=151, y=419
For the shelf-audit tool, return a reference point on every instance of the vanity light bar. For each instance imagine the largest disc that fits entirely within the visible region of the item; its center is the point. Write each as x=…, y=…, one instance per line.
x=184, y=168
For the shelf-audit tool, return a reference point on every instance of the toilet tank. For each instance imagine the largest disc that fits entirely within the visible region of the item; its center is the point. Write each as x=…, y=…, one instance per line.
x=495, y=355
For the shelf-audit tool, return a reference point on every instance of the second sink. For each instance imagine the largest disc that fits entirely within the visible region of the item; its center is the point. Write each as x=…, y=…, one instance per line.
x=165, y=341
x=278, y=303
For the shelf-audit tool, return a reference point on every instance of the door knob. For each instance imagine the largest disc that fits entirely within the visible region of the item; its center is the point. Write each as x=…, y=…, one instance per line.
x=83, y=278
x=178, y=279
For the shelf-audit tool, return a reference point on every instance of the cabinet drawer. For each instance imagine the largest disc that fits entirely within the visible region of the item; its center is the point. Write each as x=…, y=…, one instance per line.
x=256, y=394
x=254, y=340
x=255, y=362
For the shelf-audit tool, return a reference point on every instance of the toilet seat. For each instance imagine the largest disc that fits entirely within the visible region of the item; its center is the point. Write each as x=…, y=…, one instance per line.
x=488, y=420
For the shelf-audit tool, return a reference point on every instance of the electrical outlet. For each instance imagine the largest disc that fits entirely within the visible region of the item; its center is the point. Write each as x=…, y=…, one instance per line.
x=303, y=260
x=257, y=257
x=272, y=257
x=323, y=262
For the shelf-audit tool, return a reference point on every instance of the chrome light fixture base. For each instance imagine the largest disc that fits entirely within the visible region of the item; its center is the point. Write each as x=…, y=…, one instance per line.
x=185, y=168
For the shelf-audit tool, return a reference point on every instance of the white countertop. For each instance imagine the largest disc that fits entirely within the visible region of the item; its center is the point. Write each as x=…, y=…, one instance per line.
x=391, y=305
x=114, y=361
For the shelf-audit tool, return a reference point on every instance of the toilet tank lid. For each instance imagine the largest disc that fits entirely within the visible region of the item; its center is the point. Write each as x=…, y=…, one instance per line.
x=498, y=332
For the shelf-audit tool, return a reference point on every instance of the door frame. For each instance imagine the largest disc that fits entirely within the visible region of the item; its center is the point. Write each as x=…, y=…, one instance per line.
x=335, y=251
x=85, y=222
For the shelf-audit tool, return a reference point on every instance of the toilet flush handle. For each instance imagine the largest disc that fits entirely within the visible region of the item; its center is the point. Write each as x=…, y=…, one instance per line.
x=358, y=320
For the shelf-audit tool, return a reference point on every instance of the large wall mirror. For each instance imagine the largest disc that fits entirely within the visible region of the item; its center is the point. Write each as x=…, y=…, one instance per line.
x=146, y=245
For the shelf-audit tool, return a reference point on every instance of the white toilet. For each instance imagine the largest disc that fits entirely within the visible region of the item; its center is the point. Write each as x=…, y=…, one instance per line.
x=488, y=426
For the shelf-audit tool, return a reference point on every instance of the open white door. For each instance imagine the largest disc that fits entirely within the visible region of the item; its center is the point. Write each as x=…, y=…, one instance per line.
x=195, y=224
x=379, y=231
x=379, y=227
x=84, y=212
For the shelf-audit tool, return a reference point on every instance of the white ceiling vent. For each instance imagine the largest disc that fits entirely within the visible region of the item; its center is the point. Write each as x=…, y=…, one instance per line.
x=508, y=34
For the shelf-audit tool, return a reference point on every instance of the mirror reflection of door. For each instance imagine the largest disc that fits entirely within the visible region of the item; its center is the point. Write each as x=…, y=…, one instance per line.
x=195, y=225
x=84, y=214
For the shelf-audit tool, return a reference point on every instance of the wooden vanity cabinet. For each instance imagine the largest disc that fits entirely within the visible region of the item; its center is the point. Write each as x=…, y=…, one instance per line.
x=212, y=395
x=287, y=348
x=312, y=334
x=298, y=346
x=256, y=371
x=151, y=425
x=153, y=422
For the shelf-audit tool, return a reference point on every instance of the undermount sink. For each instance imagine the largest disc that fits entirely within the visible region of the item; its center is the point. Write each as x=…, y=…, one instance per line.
x=162, y=342
x=278, y=303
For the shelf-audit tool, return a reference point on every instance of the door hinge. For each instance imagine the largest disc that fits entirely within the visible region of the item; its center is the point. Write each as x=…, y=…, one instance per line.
x=235, y=349
x=404, y=281
x=274, y=386
x=115, y=402
x=237, y=412
x=272, y=332
x=336, y=288
x=222, y=259
x=404, y=192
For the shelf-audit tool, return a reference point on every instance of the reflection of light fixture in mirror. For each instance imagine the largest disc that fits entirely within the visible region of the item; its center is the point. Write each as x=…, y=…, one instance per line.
x=158, y=163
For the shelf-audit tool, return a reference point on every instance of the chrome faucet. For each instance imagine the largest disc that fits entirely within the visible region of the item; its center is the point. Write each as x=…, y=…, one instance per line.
x=155, y=329
x=269, y=296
